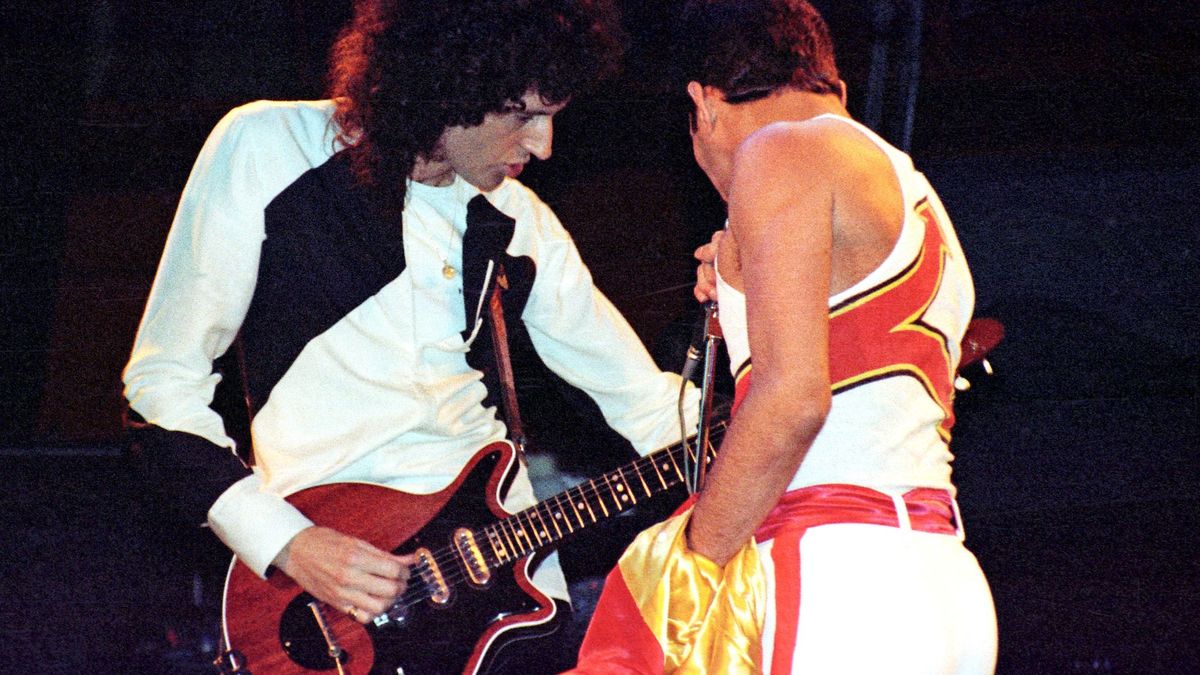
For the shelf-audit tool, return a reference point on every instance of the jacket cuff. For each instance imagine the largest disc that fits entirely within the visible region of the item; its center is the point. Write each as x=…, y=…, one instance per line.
x=255, y=524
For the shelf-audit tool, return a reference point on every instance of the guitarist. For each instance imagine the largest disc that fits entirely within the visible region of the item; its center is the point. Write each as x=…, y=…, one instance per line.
x=351, y=243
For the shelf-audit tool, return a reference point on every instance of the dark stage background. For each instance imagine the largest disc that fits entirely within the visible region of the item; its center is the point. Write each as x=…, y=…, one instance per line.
x=1062, y=136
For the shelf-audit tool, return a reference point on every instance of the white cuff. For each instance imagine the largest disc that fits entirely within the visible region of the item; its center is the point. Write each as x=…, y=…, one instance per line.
x=254, y=524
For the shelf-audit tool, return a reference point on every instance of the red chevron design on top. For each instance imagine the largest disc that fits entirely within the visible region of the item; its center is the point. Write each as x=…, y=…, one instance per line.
x=880, y=333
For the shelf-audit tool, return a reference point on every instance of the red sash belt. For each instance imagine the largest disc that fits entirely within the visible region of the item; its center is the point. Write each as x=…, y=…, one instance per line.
x=926, y=510
x=921, y=509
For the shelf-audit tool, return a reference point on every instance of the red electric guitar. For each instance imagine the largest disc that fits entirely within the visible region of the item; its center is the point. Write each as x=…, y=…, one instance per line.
x=468, y=596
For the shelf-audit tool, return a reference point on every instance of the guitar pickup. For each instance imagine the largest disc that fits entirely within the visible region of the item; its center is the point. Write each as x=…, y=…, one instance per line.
x=431, y=574
x=472, y=556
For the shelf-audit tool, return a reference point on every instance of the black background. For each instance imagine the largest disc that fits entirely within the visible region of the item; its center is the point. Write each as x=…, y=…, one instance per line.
x=1062, y=137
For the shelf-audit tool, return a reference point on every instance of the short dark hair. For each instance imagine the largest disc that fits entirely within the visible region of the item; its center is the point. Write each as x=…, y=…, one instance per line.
x=751, y=48
x=403, y=71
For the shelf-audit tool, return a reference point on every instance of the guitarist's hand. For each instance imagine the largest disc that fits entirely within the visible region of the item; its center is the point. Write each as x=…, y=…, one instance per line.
x=346, y=573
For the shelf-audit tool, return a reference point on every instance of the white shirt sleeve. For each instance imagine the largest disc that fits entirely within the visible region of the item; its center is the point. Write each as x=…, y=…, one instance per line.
x=200, y=295
x=254, y=524
x=582, y=337
x=203, y=287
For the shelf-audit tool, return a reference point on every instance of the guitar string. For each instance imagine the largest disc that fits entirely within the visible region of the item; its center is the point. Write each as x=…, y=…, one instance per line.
x=449, y=560
x=448, y=557
x=592, y=490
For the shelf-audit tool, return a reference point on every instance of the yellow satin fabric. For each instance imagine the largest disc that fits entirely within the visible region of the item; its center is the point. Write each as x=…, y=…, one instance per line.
x=708, y=619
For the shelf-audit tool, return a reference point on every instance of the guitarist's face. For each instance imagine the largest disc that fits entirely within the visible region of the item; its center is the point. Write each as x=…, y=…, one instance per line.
x=502, y=145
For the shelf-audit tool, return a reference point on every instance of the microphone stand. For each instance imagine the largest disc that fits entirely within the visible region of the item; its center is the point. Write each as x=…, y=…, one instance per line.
x=712, y=338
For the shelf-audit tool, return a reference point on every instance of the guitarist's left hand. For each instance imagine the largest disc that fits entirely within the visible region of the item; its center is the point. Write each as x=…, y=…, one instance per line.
x=344, y=572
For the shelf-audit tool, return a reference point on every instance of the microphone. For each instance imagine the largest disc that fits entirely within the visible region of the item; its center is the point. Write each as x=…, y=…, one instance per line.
x=696, y=346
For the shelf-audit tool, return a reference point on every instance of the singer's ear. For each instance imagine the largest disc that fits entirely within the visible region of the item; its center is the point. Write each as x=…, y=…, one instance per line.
x=702, y=97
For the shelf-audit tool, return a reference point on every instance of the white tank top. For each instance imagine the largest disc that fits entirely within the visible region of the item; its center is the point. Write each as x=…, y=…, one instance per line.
x=892, y=361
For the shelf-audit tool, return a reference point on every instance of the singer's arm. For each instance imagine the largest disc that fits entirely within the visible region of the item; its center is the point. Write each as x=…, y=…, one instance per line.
x=781, y=240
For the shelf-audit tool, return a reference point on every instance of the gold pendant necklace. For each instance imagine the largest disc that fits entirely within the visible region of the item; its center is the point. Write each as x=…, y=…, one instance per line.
x=448, y=270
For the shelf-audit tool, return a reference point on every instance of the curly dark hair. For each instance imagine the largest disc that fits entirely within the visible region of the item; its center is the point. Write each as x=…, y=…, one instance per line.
x=402, y=71
x=750, y=48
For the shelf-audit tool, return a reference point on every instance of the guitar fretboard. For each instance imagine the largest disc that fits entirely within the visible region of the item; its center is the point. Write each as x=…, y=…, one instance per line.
x=592, y=501
x=550, y=521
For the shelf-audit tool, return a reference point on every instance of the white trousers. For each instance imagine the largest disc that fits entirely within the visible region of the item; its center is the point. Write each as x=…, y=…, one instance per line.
x=877, y=599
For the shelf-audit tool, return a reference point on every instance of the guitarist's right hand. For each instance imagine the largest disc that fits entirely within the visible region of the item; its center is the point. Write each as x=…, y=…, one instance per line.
x=344, y=572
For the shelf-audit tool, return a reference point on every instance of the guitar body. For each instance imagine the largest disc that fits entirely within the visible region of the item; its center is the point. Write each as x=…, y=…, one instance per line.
x=271, y=628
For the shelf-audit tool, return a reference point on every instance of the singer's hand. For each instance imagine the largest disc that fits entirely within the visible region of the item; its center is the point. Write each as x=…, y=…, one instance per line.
x=706, y=272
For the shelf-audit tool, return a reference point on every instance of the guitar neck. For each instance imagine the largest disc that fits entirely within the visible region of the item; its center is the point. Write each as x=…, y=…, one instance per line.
x=593, y=501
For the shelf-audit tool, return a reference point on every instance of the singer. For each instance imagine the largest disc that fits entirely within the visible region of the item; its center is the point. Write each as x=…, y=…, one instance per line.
x=827, y=537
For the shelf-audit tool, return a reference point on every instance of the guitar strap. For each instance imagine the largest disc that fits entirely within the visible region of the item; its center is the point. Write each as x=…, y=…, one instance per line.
x=508, y=388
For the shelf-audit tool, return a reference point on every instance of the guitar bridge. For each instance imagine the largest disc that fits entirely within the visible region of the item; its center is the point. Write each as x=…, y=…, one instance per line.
x=472, y=556
x=431, y=574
